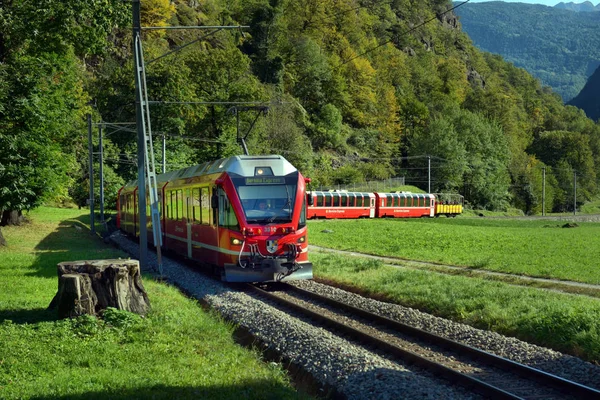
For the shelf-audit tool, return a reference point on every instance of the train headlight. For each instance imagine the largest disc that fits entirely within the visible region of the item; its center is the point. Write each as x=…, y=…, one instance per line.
x=236, y=241
x=302, y=239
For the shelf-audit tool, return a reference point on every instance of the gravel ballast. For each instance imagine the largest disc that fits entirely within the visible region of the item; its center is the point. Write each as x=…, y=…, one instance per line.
x=354, y=372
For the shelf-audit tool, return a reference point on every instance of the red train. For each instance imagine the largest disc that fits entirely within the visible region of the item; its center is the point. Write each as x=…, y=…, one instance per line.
x=344, y=204
x=244, y=215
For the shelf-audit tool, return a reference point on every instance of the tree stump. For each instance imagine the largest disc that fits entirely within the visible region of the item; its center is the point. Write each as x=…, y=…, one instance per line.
x=88, y=287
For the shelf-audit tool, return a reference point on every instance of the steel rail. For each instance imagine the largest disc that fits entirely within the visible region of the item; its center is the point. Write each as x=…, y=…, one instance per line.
x=477, y=385
x=557, y=382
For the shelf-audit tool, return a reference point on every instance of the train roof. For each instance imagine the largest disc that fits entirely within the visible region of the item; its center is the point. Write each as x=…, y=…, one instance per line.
x=240, y=165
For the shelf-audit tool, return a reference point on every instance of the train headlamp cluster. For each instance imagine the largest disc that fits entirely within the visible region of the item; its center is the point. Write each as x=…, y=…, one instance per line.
x=236, y=241
x=302, y=239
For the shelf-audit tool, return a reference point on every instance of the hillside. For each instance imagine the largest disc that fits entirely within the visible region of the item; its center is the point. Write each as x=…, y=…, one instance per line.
x=588, y=99
x=558, y=46
x=350, y=90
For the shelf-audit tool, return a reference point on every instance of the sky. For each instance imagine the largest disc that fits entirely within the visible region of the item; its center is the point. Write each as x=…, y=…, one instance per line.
x=544, y=2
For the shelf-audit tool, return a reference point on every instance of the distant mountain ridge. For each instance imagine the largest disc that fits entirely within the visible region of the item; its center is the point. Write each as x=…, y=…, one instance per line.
x=586, y=6
x=558, y=46
x=588, y=99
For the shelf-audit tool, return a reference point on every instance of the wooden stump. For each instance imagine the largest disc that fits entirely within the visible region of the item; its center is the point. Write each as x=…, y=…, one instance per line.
x=88, y=287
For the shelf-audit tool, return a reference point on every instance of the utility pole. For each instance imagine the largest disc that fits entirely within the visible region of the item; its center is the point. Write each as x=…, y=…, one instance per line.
x=574, y=192
x=141, y=142
x=91, y=173
x=428, y=174
x=164, y=153
x=101, y=173
x=543, y=191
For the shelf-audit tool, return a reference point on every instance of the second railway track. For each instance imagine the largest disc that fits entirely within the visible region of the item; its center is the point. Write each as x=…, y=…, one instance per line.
x=485, y=373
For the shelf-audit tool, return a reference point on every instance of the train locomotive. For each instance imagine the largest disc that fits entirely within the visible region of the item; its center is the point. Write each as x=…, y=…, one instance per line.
x=243, y=215
x=335, y=204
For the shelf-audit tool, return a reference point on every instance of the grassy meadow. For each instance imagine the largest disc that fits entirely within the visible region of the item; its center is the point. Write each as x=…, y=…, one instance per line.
x=538, y=248
x=177, y=351
x=565, y=322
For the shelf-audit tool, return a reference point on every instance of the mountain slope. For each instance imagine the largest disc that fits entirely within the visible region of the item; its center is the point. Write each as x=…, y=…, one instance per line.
x=559, y=47
x=588, y=99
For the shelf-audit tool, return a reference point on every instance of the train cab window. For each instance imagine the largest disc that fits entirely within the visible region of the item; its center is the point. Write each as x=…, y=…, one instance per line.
x=344, y=200
x=227, y=218
x=302, y=221
x=319, y=200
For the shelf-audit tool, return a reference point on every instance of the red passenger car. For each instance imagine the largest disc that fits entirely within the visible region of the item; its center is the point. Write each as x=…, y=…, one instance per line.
x=404, y=205
x=245, y=215
x=340, y=204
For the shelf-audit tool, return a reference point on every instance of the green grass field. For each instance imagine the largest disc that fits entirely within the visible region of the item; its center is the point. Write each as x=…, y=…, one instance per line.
x=178, y=351
x=537, y=248
x=565, y=322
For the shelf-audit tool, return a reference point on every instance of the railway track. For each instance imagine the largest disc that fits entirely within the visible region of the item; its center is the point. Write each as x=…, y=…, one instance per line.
x=484, y=373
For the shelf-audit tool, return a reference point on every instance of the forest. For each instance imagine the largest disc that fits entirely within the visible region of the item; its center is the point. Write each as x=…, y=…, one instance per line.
x=351, y=90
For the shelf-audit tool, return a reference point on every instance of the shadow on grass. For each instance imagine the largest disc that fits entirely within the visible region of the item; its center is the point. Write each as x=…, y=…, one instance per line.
x=71, y=241
x=28, y=316
x=254, y=390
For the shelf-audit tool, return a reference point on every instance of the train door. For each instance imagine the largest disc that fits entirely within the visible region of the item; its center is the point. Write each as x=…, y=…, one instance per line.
x=372, y=207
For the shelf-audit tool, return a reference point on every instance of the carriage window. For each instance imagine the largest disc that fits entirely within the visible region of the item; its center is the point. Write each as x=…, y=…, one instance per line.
x=328, y=200
x=195, y=203
x=169, y=202
x=344, y=200
x=319, y=200
x=359, y=200
x=179, y=205
x=205, y=206
x=351, y=198
x=389, y=201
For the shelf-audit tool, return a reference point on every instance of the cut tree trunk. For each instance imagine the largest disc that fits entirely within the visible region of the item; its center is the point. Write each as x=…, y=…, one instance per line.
x=11, y=217
x=88, y=287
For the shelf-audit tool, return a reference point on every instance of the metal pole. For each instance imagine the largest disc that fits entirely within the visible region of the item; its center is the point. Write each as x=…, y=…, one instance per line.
x=574, y=192
x=164, y=153
x=543, y=191
x=428, y=174
x=91, y=173
x=101, y=173
x=141, y=141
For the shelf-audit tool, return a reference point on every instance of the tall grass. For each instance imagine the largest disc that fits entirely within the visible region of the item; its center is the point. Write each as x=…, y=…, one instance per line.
x=178, y=351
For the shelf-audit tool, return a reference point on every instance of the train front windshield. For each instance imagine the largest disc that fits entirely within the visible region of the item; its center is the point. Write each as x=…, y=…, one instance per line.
x=267, y=200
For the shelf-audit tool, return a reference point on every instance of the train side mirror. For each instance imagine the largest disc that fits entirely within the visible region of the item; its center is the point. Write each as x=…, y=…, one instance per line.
x=214, y=201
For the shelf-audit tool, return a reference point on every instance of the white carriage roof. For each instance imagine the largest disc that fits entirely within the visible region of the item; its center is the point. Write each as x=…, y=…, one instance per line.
x=240, y=165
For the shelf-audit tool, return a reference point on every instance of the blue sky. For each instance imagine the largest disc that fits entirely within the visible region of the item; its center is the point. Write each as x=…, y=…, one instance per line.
x=544, y=2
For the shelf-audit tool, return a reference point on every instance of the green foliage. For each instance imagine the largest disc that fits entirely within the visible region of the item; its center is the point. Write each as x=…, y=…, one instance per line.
x=350, y=95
